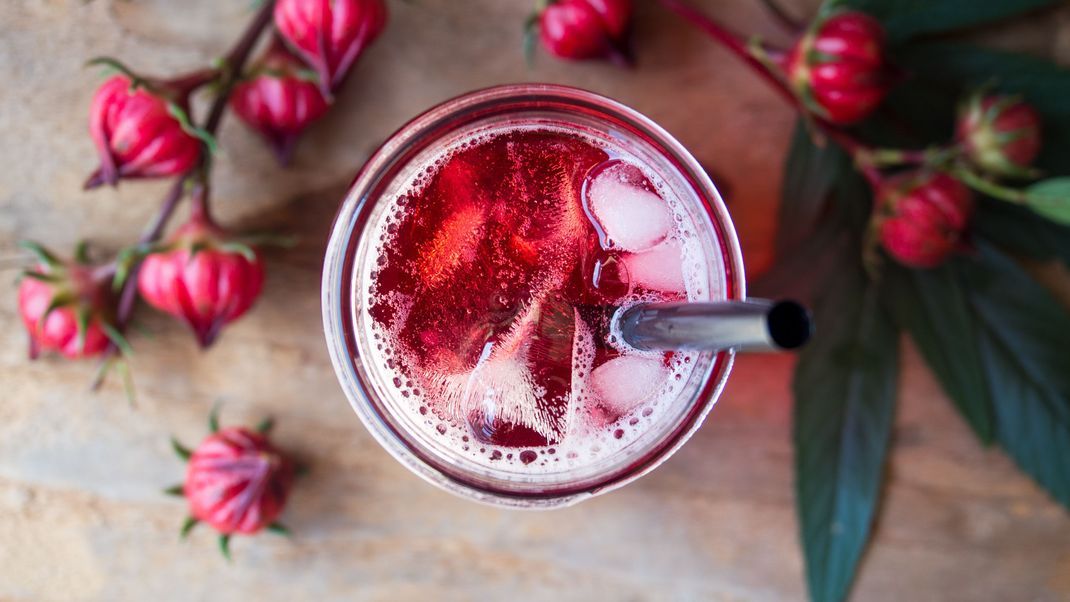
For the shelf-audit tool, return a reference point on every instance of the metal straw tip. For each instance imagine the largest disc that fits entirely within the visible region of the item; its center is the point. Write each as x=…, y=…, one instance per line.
x=790, y=325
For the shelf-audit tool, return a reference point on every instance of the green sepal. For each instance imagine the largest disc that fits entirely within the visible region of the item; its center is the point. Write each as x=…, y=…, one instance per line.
x=82, y=316
x=116, y=66
x=117, y=339
x=175, y=490
x=49, y=278
x=265, y=425
x=201, y=134
x=213, y=419
x=40, y=253
x=129, y=257
x=187, y=526
x=81, y=252
x=224, y=546
x=240, y=248
x=279, y=529
x=181, y=450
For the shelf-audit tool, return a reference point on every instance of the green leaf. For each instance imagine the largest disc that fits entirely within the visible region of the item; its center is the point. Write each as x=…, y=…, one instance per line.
x=844, y=398
x=810, y=174
x=1051, y=198
x=1021, y=231
x=905, y=19
x=279, y=529
x=932, y=306
x=187, y=526
x=175, y=490
x=181, y=450
x=1023, y=339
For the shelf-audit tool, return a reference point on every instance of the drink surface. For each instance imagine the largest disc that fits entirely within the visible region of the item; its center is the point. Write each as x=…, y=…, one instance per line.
x=497, y=273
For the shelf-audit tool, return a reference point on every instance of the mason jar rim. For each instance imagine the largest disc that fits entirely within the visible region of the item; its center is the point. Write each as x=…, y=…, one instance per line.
x=354, y=214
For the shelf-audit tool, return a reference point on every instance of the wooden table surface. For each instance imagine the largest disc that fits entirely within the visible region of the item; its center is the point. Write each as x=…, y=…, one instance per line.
x=81, y=513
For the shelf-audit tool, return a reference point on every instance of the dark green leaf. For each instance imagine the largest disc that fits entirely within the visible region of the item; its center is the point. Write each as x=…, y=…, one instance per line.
x=181, y=450
x=932, y=306
x=810, y=174
x=905, y=19
x=955, y=69
x=176, y=490
x=1021, y=231
x=187, y=526
x=844, y=398
x=1051, y=198
x=1023, y=346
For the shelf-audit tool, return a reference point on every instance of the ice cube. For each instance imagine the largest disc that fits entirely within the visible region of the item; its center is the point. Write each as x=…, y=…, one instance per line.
x=624, y=382
x=632, y=217
x=659, y=269
x=521, y=379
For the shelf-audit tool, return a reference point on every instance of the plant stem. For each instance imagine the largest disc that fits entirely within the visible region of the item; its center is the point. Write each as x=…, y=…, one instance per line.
x=229, y=73
x=980, y=184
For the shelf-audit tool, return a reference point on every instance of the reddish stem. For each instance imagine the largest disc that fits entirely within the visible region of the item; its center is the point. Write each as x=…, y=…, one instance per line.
x=733, y=43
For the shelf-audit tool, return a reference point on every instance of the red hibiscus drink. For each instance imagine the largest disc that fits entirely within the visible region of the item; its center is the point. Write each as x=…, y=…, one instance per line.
x=474, y=278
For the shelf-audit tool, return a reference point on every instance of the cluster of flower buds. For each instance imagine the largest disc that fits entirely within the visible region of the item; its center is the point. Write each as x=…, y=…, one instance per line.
x=237, y=482
x=142, y=129
x=584, y=29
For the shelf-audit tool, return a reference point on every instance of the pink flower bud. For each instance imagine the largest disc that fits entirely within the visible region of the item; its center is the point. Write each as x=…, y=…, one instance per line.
x=839, y=69
x=63, y=306
x=237, y=482
x=1000, y=134
x=330, y=34
x=587, y=29
x=278, y=101
x=136, y=135
x=203, y=278
x=922, y=217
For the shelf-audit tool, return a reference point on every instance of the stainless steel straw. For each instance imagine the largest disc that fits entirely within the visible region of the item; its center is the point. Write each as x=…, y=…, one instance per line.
x=752, y=325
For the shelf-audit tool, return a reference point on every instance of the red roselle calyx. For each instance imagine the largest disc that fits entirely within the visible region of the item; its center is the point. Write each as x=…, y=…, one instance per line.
x=1000, y=134
x=922, y=217
x=203, y=276
x=839, y=69
x=278, y=100
x=236, y=482
x=586, y=29
x=330, y=34
x=65, y=306
x=138, y=133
